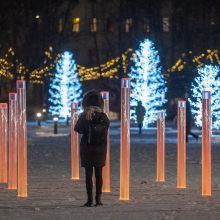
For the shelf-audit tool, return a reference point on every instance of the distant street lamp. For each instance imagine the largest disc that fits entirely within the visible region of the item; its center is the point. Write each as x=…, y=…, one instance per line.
x=55, y=130
x=44, y=115
x=37, y=16
x=39, y=117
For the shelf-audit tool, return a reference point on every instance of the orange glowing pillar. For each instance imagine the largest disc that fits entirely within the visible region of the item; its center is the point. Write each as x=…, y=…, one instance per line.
x=206, y=143
x=161, y=147
x=13, y=144
x=74, y=143
x=22, y=139
x=3, y=142
x=106, y=168
x=125, y=140
x=181, y=151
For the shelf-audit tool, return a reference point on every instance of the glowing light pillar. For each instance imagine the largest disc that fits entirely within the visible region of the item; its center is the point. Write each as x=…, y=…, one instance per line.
x=160, y=147
x=125, y=140
x=181, y=154
x=74, y=143
x=13, y=144
x=106, y=168
x=3, y=142
x=206, y=143
x=22, y=139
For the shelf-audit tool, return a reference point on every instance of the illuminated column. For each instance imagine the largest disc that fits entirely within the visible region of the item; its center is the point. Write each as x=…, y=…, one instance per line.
x=206, y=143
x=22, y=139
x=74, y=143
x=181, y=154
x=160, y=147
x=3, y=142
x=13, y=144
x=106, y=168
x=125, y=140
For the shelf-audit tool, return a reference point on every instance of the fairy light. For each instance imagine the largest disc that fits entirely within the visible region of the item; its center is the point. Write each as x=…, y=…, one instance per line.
x=147, y=82
x=208, y=79
x=65, y=87
x=200, y=60
x=109, y=69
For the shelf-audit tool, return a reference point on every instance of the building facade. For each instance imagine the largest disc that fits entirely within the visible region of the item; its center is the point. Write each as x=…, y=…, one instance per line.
x=97, y=31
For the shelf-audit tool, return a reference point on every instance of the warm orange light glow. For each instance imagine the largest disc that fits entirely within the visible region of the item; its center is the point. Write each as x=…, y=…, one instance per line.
x=76, y=23
x=181, y=154
x=160, y=147
x=13, y=144
x=125, y=140
x=3, y=142
x=206, y=143
x=106, y=168
x=74, y=143
x=22, y=139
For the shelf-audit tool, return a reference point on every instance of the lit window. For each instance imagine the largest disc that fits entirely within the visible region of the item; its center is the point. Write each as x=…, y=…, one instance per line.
x=128, y=24
x=60, y=25
x=76, y=24
x=166, y=25
x=94, y=25
x=146, y=25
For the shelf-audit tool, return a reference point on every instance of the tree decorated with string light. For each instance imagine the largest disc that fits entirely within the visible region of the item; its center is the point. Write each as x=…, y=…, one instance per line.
x=208, y=79
x=65, y=87
x=147, y=82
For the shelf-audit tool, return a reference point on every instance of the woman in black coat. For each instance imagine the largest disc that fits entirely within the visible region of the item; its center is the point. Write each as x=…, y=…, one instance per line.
x=93, y=124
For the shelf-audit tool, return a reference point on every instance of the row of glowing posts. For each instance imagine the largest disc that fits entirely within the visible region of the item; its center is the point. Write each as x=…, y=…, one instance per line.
x=17, y=127
x=181, y=147
x=75, y=174
x=206, y=144
x=181, y=150
x=13, y=141
x=125, y=144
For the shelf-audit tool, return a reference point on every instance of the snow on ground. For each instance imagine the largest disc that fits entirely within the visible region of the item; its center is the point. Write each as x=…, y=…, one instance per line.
x=52, y=195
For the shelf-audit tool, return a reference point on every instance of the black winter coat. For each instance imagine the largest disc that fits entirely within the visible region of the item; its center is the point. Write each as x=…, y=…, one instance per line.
x=94, y=156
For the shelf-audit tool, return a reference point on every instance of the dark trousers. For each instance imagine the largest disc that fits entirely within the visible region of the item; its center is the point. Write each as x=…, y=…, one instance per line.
x=190, y=133
x=98, y=179
x=140, y=125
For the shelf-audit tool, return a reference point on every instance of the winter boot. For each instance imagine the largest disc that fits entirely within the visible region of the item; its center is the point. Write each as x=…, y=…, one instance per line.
x=98, y=200
x=89, y=200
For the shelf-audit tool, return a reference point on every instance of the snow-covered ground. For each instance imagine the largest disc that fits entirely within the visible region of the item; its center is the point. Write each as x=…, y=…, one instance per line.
x=52, y=195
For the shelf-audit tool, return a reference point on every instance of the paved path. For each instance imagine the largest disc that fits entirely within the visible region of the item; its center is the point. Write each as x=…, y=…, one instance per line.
x=52, y=195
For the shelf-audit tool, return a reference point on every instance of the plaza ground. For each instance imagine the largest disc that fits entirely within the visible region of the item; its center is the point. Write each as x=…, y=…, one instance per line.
x=52, y=195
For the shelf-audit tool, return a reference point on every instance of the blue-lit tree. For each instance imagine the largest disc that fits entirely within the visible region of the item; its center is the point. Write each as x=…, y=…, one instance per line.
x=207, y=79
x=65, y=87
x=147, y=82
